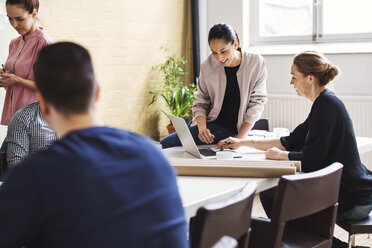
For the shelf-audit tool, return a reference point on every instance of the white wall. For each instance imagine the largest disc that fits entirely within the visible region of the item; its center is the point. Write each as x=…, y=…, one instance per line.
x=215, y=11
x=355, y=78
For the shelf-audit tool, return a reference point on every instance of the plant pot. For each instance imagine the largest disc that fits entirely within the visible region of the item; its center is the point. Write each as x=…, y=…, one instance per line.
x=171, y=129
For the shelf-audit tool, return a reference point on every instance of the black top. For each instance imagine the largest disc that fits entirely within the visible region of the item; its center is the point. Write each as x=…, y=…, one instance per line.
x=228, y=116
x=327, y=136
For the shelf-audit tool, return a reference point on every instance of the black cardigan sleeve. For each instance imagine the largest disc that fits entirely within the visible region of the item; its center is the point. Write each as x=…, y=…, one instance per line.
x=310, y=141
x=296, y=140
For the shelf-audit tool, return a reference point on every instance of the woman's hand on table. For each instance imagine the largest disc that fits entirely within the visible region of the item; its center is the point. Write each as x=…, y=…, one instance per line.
x=276, y=154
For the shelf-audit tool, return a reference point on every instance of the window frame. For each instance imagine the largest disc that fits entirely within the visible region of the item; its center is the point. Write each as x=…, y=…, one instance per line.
x=317, y=32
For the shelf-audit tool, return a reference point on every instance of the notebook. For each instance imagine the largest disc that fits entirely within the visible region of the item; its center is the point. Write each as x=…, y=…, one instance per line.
x=188, y=142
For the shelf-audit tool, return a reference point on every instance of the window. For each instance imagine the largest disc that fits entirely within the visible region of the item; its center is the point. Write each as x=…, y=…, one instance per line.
x=310, y=21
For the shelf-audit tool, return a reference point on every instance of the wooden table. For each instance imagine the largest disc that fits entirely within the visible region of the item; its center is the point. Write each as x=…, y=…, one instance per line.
x=198, y=191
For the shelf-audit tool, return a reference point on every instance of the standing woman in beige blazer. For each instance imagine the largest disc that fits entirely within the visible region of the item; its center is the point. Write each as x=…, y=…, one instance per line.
x=231, y=91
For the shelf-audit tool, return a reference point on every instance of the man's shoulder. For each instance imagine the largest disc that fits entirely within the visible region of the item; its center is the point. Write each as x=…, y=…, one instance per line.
x=98, y=140
x=131, y=142
x=106, y=133
x=29, y=108
x=26, y=113
x=105, y=139
x=94, y=149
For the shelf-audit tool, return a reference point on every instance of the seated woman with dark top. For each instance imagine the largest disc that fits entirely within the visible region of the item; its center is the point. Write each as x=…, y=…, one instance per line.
x=325, y=137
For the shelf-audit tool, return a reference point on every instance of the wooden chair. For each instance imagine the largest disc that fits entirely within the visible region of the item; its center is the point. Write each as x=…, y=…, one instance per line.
x=229, y=217
x=261, y=124
x=304, y=211
x=356, y=227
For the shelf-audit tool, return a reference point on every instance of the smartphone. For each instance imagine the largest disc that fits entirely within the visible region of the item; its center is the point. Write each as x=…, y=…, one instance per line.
x=3, y=69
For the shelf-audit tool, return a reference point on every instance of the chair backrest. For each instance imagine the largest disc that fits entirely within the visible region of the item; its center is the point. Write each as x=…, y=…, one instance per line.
x=305, y=194
x=261, y=124
x=304, y=211
x=229, y=217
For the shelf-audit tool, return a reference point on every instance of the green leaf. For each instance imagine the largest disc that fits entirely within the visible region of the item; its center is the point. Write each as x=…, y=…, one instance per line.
x=177, y=96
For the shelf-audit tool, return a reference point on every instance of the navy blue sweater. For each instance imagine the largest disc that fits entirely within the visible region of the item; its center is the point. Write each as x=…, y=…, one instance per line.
x=327, y=136
x=97, y=187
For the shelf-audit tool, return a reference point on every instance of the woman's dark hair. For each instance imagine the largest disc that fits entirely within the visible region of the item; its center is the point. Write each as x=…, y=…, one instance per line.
x=224, y=32
x=316, y=64
x=64, y=76
x=29, y=5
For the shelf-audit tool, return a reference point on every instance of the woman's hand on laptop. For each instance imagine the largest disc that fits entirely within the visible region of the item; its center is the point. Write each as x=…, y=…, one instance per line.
x=230, y=142
x=206, y=136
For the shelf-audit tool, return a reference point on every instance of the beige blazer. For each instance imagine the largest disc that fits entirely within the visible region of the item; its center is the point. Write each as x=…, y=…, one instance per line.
x=212, y=85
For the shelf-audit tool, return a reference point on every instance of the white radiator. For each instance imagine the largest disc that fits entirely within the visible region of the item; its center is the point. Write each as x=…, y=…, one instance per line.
x=291, y=110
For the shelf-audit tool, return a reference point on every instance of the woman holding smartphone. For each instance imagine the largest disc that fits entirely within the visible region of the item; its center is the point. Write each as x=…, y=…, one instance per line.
x=17, y=76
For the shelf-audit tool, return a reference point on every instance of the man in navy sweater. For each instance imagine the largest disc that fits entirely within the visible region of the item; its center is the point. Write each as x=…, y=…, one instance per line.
x=97, y=186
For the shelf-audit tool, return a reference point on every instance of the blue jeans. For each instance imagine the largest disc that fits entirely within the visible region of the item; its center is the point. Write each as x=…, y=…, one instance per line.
x=356, y=213
x=219, y=133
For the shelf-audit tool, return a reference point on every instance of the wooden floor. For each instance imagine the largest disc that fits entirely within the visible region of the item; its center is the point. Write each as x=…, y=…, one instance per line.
x=361, y=239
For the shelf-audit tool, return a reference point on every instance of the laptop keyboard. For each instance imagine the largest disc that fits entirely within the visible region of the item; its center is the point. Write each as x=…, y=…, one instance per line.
x=207, y=152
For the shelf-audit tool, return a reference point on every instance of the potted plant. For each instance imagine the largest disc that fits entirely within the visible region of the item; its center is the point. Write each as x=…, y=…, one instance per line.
x=178, y=96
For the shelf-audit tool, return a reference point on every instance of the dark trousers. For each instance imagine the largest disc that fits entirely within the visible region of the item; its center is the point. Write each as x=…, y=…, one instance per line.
x=4, y=146
x=267, y=200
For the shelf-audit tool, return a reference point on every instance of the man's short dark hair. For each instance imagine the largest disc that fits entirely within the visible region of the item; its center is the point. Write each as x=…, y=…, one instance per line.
x=65, y=78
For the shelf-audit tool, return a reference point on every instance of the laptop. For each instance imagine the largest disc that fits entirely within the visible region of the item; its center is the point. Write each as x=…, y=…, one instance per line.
x=188, y=142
